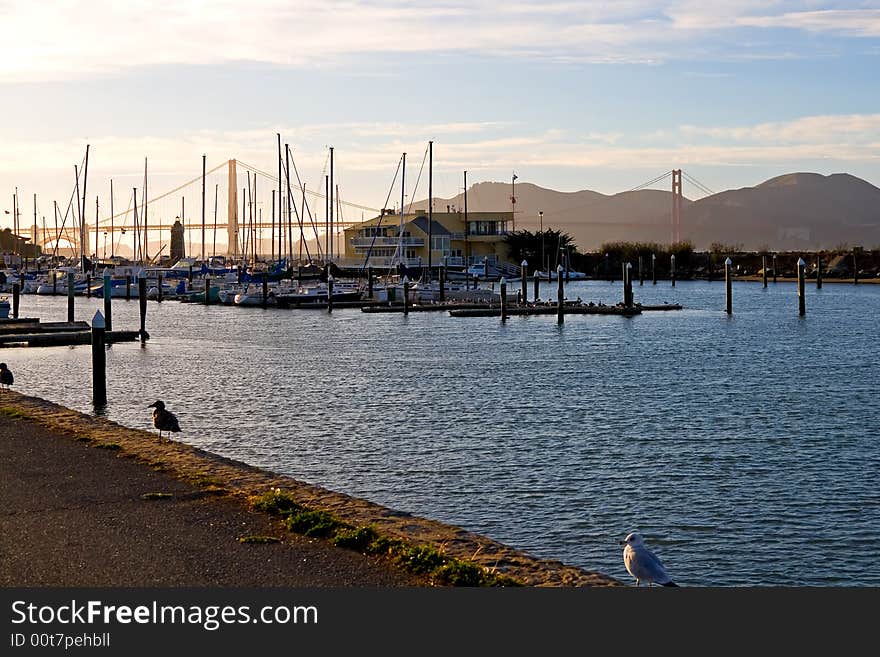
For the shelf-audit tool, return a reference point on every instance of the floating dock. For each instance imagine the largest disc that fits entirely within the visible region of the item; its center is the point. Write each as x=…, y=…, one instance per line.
x=34, y=333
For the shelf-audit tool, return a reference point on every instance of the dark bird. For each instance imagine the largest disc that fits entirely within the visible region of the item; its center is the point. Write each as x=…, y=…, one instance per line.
x=6, y=377
x=643, y=564
x=163, y=420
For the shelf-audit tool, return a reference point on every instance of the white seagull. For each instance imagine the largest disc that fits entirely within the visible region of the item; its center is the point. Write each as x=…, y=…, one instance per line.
x=643, y=564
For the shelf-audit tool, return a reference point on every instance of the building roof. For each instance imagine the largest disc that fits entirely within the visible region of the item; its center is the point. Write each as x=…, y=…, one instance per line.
x=421, y=222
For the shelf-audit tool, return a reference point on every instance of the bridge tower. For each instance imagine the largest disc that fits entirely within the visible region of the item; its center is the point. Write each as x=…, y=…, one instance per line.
x=676, y=205
x=232, y=212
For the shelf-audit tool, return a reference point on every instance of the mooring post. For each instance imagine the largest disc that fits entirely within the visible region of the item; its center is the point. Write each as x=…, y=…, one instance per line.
x=672, y=268
x=728, y=284
x=629, y=285
x=442, y=282
x=99, y=361
x=503, y=299
x=142, y=302
x=406, y=295
x=560, y=296
x=855, y=269
x=238, y=274
x=16, y=293
x=608, y=273
x=764, y=269
x=819, y=273
x=54, y=283
x=653, y=269
x=159, y=289
x=70, y=296
x=623, y=278
x=190, y=276
x=88, y=286
x=537, y=284
x=802, y=305
x=108, y=321
x=265, y=289
x=525, y=280
x=370, y=282
x=128, y=287
x=774, y=268
x=641, y=272
x=207, y=290
x=329, y=293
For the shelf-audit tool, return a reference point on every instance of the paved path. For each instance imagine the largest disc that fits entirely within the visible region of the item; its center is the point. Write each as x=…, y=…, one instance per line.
x=73, y=515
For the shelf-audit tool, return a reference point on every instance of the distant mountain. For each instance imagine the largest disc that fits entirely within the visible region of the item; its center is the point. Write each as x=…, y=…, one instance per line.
x=793, y=211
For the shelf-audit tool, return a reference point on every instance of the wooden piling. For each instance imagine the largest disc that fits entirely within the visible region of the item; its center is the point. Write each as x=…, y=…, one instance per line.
x=560, y=296
x=207, y=290
x=88, y=286
x=672, y=268
x=128, y=287
x=405, y=295
x=189, y=276
x=855, y=269
x=728, y=284
x=628, y=287
x=653, y=269
x=330, y=294
x=99, y=361
x=537, y=285
x=370, y=282
x=70, y=296
x=142, y=302
x=641, y=272
x=442, y=283
x=159, y=290
x=108, y=316
x=802, y=306
x=54, y=283
x=525, y=280
x=265, y=289
x=764, y=270
x=774, y=268
x=16, y=294
x=819, y=273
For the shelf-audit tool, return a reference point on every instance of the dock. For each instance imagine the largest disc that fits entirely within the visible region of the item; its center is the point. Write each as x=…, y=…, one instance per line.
x=548, y=309
x=32, y=332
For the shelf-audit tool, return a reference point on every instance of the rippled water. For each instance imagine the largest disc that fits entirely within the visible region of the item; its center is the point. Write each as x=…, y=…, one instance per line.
x=744, y=448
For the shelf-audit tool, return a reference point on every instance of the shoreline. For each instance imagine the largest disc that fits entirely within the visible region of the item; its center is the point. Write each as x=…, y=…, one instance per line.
x=241, y=482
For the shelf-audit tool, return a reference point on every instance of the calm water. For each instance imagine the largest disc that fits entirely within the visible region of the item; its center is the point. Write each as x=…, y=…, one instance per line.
x=745, y=449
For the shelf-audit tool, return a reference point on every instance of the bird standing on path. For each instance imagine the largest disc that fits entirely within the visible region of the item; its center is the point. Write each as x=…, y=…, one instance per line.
x=6, y=378
x=163, y=420
x=643, y=564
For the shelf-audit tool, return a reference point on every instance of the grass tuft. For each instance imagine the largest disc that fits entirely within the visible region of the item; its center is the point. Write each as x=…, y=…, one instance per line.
x=259, y=540
x=156, y=496
x=319, y=524
x=277, y=503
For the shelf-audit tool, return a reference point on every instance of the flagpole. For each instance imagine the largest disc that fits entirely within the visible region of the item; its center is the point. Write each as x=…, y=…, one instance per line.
x=513, y=202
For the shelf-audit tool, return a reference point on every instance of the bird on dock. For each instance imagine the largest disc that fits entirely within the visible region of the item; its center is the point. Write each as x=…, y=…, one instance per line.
x=6, y=378
x=163, y=420
x=643, y=564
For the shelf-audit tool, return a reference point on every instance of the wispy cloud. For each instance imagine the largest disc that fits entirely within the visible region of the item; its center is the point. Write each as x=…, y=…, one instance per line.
x=58, y=39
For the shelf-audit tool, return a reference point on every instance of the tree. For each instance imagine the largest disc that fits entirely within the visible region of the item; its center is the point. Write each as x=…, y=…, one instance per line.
x=529, y=246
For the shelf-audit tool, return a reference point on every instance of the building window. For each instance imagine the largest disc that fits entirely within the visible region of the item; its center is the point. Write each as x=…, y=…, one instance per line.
x=440, y=243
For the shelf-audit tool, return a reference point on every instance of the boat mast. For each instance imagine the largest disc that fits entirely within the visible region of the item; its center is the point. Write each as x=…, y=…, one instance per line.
x=326, y=215
x=96, y=227
x=214, y=245
x=82, y=215
x=400, y=227
x=289, y=203
x=467, y=253
x=137, y=242
x=146, y=253
x=430, y=203
x=331, y=203
x=112, y=238
x=280, y=206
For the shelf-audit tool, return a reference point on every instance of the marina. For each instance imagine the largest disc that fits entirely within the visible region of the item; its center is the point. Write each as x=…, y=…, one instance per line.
x=554, y=439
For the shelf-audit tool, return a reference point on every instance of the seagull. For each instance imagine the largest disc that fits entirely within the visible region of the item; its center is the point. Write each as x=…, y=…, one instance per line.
x=6, y=377
x=643, y=564
x=163, y=420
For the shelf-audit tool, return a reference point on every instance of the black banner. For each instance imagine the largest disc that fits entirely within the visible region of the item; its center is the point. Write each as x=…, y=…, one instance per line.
x=410, y=621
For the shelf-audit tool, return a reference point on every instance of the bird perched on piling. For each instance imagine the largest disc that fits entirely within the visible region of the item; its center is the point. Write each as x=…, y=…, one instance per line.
x=643, y=564
x=163, y=420
x=6, y=378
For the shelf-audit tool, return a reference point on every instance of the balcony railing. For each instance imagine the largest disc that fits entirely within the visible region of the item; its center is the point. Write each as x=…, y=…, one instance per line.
x=387, y=241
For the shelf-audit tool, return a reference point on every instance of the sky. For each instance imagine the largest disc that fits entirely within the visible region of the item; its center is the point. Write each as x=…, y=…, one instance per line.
x=566, y=95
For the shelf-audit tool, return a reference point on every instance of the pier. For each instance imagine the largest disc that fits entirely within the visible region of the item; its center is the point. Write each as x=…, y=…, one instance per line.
x=34, y=333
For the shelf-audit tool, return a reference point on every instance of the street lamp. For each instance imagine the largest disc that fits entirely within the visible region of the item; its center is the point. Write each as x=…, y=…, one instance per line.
x=105, y=245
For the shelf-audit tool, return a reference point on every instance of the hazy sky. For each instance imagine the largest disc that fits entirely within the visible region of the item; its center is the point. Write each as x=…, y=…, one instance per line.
x=569, y=95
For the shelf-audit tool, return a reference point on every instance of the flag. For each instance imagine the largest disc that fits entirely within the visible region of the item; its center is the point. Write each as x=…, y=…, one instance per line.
x=515, y=176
